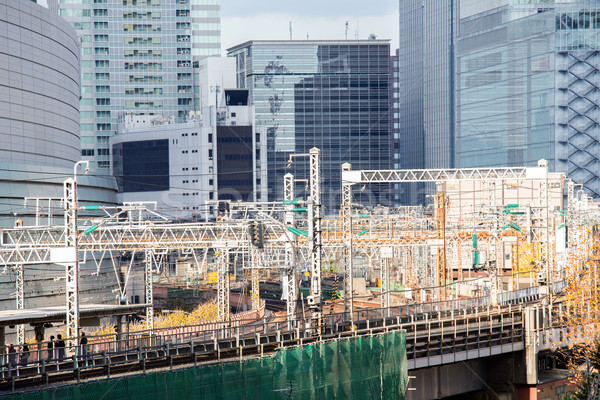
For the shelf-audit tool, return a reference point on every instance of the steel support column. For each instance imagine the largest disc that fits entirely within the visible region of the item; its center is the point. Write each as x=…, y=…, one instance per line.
x=314, y=222
x=20, y=286
x=223, y=285
x=347, y=229
x=148, y=270
x=289, y=276
x=72, y=267
x=257, y=264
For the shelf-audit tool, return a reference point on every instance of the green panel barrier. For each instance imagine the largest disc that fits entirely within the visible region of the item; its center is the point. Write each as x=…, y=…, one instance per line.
x=363, y=367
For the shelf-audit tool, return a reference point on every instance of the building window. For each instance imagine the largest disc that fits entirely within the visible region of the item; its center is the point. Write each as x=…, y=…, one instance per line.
x=100, y=12
x=87, y=152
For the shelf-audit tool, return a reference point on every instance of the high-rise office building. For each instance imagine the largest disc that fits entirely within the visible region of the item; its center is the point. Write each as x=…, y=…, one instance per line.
x=426, y=82
x=426, y=101
x=333, y=95
x=527, y=86
x=137, y=58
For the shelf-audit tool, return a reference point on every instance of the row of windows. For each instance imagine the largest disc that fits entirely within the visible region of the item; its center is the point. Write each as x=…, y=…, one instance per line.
x=142, y=40
x=143, y=104
x=141, y=28
x=141, y=91
x=92, y=139
x=143, y=53
x=99, y=127
x=141, y=15
x=143, y=66
x=192, y=194
x=144, y=78
x=141, y=2
x=187, y=181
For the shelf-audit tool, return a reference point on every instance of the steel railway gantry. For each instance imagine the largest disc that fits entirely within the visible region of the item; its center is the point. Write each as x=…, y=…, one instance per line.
x=268, y=236
x=538, y=216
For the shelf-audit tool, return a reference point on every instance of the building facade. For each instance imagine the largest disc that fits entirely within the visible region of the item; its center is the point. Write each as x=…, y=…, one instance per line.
x=39, y=145
x=426, y=82
x=527, y=80
x=333, y=95
x=136, y=57
x=186, y=167
x=155, y=159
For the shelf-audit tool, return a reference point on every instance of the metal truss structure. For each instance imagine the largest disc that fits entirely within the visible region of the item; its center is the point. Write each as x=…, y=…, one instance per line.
x=581, y=118
x=436, y=175
x=418, y=248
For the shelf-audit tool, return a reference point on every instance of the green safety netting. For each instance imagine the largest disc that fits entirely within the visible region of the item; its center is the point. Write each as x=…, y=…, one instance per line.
x=365, y=367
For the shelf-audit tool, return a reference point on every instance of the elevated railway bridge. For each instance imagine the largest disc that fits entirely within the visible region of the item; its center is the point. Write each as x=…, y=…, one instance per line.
x=439, y=334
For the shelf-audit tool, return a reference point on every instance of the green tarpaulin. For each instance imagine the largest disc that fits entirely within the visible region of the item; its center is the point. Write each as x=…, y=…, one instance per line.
x=365, y=367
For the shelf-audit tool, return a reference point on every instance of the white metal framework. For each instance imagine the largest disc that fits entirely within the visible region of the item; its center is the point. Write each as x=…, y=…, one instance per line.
x=434, y=175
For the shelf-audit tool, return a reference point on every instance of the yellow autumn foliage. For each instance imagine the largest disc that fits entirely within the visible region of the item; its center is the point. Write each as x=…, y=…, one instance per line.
x=203, y=313
x=528, y=257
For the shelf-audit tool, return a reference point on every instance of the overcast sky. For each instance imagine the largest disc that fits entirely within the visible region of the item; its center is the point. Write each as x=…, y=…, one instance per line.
x=243, y=20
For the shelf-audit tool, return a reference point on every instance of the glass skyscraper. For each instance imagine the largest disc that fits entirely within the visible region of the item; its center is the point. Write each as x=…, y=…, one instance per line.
x=527, y=86
x=426, y=63
x=137, y=58
x=333, y=95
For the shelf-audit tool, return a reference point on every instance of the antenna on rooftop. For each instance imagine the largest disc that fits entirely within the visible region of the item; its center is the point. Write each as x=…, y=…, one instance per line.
x=346, y=34
x=290, y=30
